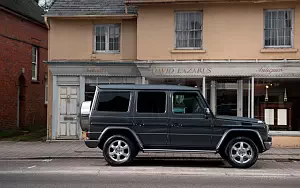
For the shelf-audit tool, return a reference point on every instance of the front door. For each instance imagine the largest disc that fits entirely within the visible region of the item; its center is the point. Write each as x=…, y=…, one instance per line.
x=68, y=111
x=190, y=128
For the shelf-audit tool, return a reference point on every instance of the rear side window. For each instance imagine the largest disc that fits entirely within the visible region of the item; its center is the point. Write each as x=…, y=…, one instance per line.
x=114, y=101
x=151, y=102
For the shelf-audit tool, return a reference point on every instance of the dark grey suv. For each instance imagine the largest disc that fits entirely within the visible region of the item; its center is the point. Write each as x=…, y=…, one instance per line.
x=123, y=120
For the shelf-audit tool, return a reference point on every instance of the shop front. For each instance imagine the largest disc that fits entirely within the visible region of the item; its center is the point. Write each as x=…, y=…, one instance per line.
x=266, y=90
x=75, y=82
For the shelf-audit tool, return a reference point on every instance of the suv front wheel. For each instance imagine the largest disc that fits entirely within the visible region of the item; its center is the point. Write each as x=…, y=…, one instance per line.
x=118, y=150
x=242, y=152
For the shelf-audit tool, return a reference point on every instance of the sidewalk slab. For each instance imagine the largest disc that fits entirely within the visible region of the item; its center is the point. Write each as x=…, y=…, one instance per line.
x=77, y=149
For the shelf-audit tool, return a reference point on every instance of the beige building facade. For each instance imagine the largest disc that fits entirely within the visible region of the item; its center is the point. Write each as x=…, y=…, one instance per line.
x=243, y=56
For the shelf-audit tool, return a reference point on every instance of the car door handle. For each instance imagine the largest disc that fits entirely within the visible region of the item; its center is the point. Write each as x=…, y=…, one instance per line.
x=176, y=125
x=139, y=124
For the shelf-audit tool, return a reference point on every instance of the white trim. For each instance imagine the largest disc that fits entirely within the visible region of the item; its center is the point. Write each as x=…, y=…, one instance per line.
x=252, y=97
x=107, y=26
x=55, y=107
x=203, y=87
x=36, y=62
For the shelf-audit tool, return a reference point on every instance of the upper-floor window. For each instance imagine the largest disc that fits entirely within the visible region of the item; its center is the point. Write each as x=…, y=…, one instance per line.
x=278, y=28
x=107, y=38
x=188, y=29
x=34, y=63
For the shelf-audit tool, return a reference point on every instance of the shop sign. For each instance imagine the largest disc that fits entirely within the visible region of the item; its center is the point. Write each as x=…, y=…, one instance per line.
x=96, y=70
x=269, y=70
x=179, y=71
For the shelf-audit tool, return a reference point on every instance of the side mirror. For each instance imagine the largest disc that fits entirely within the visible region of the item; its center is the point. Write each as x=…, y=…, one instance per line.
x=206, y=111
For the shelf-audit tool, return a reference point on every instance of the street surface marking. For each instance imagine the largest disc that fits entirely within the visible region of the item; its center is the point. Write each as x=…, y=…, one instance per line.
x=47, y=160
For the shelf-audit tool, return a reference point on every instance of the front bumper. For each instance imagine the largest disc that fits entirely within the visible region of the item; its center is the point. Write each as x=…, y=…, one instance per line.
x=268, y=143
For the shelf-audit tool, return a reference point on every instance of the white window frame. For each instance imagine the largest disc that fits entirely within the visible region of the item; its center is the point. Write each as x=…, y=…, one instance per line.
x=188, y=48
x=292, y=28
x=34, y=62
x=107, y=26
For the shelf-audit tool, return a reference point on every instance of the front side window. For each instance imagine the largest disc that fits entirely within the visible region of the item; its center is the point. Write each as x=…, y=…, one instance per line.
x=113, y=101
x=188, y=29
x=34, y=57
x=187, y=103
x=151, y=102
x=278, y=28
x=107, y=38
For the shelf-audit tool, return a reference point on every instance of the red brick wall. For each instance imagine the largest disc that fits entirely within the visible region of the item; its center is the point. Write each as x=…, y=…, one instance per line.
x=17, y=36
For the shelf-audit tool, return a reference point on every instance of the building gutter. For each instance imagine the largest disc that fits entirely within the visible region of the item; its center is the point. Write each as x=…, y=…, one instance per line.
x=121, y=16
x=222, y=61
x=141, y=2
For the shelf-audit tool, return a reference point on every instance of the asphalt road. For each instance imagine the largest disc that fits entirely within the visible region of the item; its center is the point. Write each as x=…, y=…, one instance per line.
x=86, y=173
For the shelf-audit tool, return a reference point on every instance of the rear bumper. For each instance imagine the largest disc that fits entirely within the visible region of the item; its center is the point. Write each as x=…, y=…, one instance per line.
x=268, y=143
x=91, y=143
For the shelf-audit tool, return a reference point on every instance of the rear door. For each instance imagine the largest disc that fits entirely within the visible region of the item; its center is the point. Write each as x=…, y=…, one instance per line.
x=111, y=108
x=151, y=118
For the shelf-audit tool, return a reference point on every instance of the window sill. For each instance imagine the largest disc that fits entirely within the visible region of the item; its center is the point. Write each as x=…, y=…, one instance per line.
x=35, y=82
x=99, y=52
x=175, y=51
x=284, y=133
x=279, y=50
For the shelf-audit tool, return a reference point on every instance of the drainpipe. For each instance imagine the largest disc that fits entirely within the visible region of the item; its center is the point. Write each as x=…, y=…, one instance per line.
x=224, y=61
x=46, y=22
x=252, y=97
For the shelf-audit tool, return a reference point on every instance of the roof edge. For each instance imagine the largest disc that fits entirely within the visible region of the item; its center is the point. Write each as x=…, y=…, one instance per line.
x=128, y=16
x=42, y=24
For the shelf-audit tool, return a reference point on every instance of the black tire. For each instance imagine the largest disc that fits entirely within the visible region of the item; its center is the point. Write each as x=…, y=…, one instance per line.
x=112, y=160
x=250, y=154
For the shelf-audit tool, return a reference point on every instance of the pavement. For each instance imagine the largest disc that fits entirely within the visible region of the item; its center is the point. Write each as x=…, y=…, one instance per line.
x=77, y=149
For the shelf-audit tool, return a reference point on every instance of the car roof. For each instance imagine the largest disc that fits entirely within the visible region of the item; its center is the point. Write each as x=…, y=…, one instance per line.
x=146, y=87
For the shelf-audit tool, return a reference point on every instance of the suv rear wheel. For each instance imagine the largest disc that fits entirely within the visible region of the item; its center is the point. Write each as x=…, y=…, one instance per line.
x=241, y=152
x=119, y=150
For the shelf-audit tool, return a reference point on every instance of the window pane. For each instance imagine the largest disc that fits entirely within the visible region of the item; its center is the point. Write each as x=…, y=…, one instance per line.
x=98, y=46
x=114, y=101
x=151, y=102
x=100, y=38
x=187, y=103
x=33, y=70
x=34, y=54
x=114, y=33
x=198, y=43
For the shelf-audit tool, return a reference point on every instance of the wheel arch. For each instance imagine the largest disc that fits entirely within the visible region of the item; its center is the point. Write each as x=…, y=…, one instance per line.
x=248, y=133
x=124, y=131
